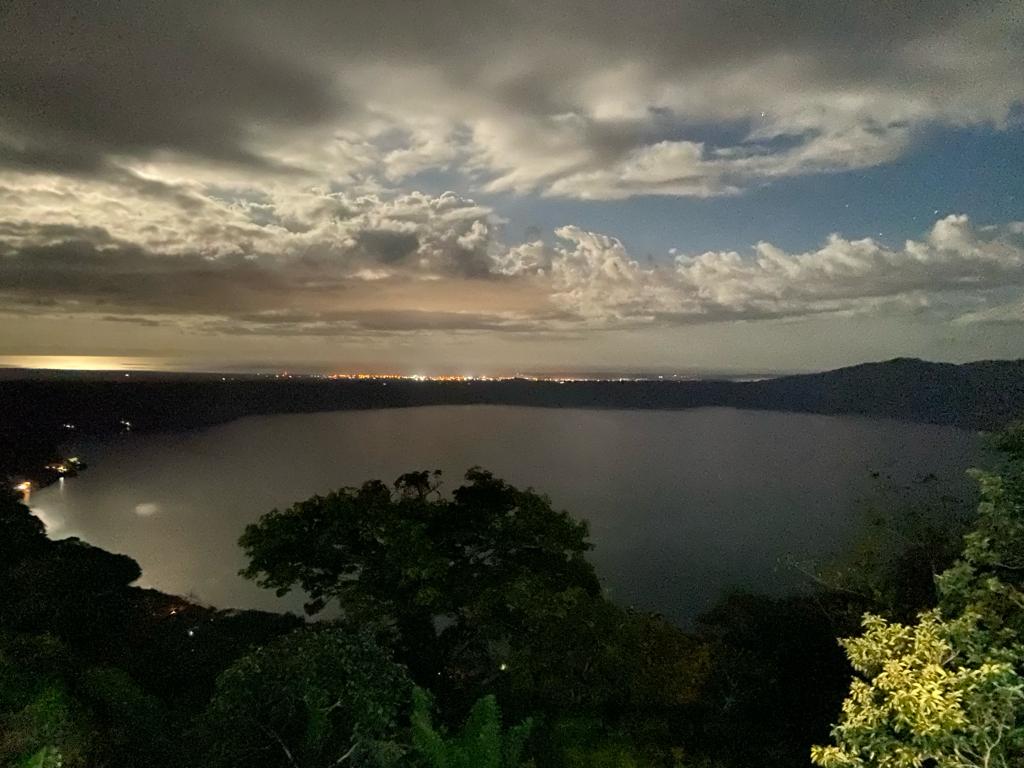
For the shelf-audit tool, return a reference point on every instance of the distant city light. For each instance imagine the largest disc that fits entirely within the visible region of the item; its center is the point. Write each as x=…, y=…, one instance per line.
x=386, y=377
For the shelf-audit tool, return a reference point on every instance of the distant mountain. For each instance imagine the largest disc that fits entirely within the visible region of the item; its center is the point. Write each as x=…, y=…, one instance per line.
x=33, y=411
x=983, y=395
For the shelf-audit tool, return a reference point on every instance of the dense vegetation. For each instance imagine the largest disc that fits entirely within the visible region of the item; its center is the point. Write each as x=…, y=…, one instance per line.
x=464, y=629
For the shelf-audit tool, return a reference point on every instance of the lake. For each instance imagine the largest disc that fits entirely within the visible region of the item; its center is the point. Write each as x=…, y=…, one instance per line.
x=682, y=505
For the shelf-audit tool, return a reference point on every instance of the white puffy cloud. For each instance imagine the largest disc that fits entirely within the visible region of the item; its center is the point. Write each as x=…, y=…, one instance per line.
x=281, y=262
x=391, y=234
x=284, y=259
x=954, y=265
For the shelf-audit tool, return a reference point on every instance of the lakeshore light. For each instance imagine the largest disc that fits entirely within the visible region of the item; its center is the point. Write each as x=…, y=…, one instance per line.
x=24, y=487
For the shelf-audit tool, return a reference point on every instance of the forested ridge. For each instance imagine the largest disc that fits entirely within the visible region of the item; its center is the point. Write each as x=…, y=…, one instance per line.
x=38, y=413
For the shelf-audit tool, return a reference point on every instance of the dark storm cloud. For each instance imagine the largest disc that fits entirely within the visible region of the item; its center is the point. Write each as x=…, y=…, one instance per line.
x=48, y=159
x=671, y=33
x=93, y=273
x=538, y=91
x=81, y=81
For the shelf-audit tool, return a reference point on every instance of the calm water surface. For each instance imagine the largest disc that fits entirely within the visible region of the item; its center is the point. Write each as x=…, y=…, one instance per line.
x=682, y=504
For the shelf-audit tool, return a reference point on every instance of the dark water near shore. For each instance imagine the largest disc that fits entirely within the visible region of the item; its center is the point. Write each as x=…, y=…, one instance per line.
x=682, y=504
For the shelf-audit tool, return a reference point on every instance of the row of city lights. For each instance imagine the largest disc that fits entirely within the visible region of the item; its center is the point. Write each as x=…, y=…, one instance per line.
x=469, y=377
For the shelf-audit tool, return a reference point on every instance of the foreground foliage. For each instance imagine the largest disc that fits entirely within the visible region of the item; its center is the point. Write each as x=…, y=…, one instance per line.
x=316, y=697
x=949, y=688
x=487, y=592
x=469, y=629
x=482, y=743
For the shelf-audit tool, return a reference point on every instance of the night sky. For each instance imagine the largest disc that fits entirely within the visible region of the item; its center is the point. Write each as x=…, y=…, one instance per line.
x=491, y=186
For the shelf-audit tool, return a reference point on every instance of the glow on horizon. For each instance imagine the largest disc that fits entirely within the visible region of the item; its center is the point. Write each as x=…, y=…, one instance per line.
x=82, y=362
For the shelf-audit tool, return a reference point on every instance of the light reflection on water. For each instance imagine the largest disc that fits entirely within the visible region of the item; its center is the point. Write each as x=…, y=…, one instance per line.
x=681, y=504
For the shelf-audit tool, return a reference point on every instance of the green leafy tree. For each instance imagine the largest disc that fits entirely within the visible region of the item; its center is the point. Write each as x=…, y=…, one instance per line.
x=775, y=678
x=488, y=591
x=40, y=719
x=931, y=690
x=316, y=697
x=482, y=742
x=570, y=654
x=911, y=534
x=47, y=757
x=427, y=566
x=93, y=716
x=73, y=590
x=949, y=688
x=136, y=728
x=581, y=653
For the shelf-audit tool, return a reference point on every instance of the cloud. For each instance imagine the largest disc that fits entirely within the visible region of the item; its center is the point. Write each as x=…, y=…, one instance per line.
x=399, y=233
x=323, y=263
x=595, y=100
x=81, y=88
x=1011, y=313
x=595, y=278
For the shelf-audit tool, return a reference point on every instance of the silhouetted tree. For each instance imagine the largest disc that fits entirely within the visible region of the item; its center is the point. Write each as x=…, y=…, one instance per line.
x=423, y=565
x=21, y=532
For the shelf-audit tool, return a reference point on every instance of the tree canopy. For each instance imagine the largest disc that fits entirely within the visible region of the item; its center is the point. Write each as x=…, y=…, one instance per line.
x=23, y=532
x=485, y=591
x=308, y=699
x=423, y=565
x=950, y=687
x=407, y=550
